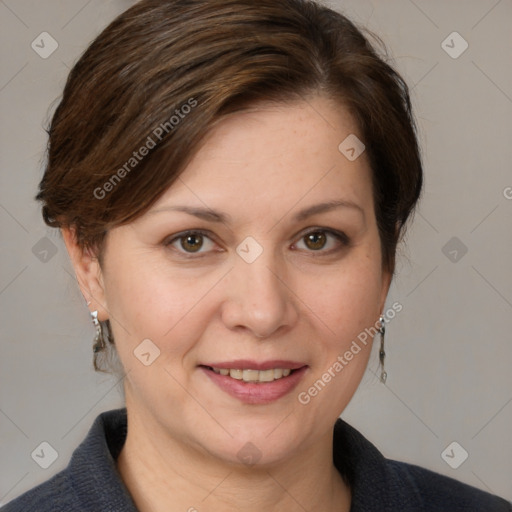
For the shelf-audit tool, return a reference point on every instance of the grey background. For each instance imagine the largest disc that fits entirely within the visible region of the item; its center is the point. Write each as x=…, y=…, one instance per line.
x=448, y=352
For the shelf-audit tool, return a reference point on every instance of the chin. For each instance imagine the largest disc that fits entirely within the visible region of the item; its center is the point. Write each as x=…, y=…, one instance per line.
x=255, y=442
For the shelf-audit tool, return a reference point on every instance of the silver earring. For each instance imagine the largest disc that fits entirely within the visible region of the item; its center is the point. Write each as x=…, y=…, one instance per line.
x=382, y=353
x=99, y=342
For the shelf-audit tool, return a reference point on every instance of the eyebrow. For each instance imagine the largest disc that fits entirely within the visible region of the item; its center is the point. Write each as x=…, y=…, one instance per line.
x=210, y=215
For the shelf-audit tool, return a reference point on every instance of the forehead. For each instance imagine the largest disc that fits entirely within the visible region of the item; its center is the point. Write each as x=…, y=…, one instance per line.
x=273, y=156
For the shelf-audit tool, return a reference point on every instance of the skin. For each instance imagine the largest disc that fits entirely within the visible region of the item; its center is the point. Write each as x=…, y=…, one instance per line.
x=296, y=301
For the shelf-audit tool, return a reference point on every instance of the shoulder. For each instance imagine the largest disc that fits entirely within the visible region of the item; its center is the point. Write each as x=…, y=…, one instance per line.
x=439, y=493
x=90, y=482
x=54, y=495
x=388, y=485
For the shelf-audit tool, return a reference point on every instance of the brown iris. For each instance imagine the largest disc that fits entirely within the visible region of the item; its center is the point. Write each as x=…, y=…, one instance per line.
x=317, y=240
x=191, y=242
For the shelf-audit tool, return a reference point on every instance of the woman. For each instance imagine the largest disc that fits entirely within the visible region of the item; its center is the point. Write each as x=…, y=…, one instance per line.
x=231, y=179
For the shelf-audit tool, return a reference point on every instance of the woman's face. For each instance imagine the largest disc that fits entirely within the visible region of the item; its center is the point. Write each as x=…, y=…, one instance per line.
x=268, y=287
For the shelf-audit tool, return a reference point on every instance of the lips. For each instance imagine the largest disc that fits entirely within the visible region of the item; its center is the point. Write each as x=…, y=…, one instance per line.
x=255, y=382
x=250, y=364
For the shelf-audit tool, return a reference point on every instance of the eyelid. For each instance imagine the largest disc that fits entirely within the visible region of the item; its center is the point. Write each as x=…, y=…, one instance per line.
x=344, y=240
x=176, y=237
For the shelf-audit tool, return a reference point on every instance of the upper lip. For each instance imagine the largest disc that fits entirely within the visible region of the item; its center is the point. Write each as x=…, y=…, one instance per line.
x=249, y=364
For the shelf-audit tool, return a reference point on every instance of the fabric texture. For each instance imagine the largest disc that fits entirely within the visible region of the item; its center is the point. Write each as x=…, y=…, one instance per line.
x=91, y=482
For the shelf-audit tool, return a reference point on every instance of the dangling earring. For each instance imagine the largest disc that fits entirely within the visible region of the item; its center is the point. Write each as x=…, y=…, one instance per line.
x=382, y=353
x=99, y=342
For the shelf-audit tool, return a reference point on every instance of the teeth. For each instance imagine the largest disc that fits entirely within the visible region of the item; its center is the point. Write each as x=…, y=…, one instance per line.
x=254, y=375
x=266, y=375
x=251, y=376
x=236, y=374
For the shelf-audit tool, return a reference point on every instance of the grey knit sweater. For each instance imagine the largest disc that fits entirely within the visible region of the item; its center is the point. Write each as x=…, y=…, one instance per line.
x=91, y=483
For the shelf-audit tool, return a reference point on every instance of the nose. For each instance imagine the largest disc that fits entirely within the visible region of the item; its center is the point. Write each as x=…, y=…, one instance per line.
x=259, y=299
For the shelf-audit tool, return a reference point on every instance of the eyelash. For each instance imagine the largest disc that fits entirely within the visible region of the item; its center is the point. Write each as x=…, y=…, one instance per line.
x=342, y=238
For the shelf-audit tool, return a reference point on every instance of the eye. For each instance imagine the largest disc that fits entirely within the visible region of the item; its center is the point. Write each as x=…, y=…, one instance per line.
x=317, y=239
x=191, y=242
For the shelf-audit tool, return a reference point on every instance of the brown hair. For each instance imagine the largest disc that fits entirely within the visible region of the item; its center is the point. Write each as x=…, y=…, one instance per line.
x=142, y=97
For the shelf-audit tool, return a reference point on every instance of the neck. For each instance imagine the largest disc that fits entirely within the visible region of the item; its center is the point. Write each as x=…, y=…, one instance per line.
x=163, y=474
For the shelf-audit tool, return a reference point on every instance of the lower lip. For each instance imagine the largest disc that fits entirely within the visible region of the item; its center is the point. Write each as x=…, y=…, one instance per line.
x=256, y=392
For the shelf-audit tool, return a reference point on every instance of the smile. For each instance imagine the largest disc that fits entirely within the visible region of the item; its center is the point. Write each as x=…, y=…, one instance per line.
x=255, y=383
x=249, y=375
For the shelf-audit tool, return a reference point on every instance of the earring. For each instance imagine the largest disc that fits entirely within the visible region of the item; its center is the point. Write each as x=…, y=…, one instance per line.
x=99, y=342
x=382, y=353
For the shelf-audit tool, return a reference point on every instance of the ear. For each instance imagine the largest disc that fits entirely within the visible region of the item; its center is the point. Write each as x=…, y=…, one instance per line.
x=88, y=273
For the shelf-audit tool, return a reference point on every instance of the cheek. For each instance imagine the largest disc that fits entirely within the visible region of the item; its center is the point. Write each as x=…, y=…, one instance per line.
x=351, y=299
x=147, y=301
x=173, y=307
x=348, y=313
